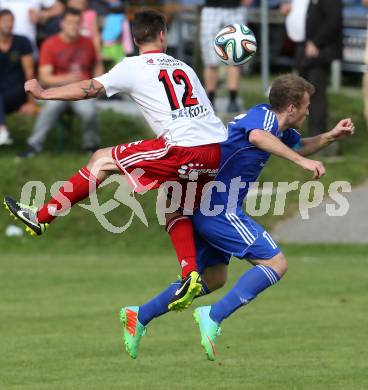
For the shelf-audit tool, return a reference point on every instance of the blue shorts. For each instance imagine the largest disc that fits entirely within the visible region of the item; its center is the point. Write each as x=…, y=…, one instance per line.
x=231, y=234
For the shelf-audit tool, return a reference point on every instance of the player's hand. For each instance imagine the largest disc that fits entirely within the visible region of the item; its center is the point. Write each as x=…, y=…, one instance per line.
x=314, y=166
x=343, y=129
x=34, y=88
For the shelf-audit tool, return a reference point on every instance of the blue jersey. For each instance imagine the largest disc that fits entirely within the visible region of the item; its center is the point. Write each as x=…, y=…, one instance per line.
x=231, y=232
x=240, y=159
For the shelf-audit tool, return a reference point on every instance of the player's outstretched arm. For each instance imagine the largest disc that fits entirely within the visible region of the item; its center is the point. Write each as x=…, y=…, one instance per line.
x=312, y=145
x=268, y=142
x=85, y=89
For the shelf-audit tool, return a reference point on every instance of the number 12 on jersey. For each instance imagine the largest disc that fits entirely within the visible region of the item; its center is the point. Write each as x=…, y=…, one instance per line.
x=179, y=77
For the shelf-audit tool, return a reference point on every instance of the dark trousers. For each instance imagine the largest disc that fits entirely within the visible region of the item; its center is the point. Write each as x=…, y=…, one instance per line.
x=10, y=100
x=318, y=75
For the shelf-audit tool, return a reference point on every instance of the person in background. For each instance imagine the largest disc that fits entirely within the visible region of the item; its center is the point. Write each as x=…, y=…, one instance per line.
x=116, y=35
x=295, y=12
x=48, y=21
x=16, y=64
x=90, y=24
x=215, y=15
x=66, y=57
x=27, y=13
x=90, y=27
x=316, y=26
x=100, y=6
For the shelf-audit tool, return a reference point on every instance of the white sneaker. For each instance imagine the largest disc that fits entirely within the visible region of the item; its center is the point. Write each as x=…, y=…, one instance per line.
x=5, y=138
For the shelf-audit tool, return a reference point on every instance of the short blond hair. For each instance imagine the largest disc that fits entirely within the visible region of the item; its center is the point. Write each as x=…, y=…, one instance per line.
x=289, y=89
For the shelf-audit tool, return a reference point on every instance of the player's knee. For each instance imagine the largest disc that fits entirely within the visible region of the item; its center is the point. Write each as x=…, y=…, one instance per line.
x=215, y=277
x=280, y=264
x=99, y=159
x=96, y=156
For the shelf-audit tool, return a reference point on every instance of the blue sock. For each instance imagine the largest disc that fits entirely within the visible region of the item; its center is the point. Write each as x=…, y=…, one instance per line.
x=158, y=305
x=250, y=284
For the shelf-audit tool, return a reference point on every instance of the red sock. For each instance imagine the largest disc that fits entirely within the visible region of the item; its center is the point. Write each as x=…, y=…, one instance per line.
x=75, y=189
x=180, y=230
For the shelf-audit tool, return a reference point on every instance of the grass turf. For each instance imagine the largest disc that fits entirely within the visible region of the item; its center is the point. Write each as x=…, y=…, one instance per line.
x=60, y=327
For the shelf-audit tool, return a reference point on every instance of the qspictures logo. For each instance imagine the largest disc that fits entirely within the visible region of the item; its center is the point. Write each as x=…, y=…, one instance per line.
x=216, y=198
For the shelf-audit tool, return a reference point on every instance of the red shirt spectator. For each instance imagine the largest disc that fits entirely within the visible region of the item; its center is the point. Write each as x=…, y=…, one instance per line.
x=66, y=58
x=69, y=57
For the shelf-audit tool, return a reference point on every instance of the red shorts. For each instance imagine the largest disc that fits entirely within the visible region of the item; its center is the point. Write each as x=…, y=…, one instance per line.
x=150, y=163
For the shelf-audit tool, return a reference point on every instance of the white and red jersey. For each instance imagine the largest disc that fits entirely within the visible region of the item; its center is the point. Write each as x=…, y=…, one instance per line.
x=170, y=96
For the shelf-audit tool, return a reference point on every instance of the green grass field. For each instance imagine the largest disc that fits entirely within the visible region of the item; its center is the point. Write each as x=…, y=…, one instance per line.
x=60, y=295
x=60, y=330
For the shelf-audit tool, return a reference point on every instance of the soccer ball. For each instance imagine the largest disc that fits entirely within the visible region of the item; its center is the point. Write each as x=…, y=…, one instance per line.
x=235, y=44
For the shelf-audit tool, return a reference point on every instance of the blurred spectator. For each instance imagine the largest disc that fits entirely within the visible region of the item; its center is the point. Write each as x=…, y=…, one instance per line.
x=66, y=57
x=365, y=75
x=116, y=36
x=49, y=21
x=16, y=64
x=100, y=6
x=319, y=42
x=215, y=15
x=27, y=14
x=323, y=45
x=296, y=15
x=90, y=27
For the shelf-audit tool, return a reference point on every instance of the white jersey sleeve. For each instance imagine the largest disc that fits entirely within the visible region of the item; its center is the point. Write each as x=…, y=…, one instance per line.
x=119, y=79
x=170, y=97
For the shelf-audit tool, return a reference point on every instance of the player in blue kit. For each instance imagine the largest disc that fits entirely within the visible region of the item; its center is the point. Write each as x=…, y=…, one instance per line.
x=253, y=137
